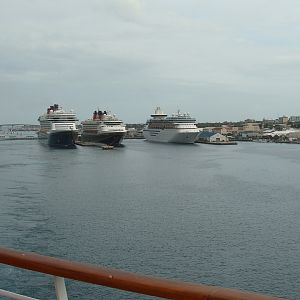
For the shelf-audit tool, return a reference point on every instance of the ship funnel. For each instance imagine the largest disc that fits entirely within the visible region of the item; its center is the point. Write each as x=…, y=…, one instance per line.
x=94, y=115
x=158, y=113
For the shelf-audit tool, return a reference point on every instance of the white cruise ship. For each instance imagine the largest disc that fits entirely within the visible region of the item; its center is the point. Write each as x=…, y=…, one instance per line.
x=178, y=128
x=103, y=128
x=58, y=128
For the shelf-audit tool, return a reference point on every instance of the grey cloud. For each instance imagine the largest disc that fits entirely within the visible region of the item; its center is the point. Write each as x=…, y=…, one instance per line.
x=133, y=55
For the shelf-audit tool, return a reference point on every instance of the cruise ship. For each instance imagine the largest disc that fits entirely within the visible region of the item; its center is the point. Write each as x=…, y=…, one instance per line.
x=58, y=128
x=178, y=128
x=103, y=128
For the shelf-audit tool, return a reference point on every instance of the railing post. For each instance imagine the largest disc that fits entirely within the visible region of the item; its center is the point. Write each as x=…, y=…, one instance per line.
x=14, y=296
x=60, y=288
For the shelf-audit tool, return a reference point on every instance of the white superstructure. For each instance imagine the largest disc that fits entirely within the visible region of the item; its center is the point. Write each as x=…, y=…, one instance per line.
x=178, y=128
x=58, y=127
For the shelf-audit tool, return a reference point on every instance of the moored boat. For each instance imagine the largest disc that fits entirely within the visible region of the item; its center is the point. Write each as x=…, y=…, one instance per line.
x=178, y=128
x=103, y=128
x=58, y=128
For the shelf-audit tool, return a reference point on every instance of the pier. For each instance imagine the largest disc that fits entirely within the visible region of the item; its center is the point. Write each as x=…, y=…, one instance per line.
x=12, y=132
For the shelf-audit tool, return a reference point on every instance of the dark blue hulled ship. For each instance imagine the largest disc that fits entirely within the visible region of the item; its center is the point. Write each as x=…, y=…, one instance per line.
x=58, y=128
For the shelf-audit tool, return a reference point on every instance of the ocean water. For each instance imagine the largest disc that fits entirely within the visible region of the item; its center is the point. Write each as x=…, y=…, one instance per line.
x=217, y=215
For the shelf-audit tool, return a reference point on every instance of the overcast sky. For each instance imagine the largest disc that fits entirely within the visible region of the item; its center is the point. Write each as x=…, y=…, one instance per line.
x=217, y=59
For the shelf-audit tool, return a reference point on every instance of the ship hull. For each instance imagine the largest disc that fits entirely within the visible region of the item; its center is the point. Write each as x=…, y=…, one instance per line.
x=111, y=139
x=171, y=135
x=59, y=139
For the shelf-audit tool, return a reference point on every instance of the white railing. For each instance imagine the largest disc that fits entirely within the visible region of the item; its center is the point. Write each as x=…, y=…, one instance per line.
x=60, y=289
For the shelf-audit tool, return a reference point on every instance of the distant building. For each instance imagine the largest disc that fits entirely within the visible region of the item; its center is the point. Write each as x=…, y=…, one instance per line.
x=230, y=130
x=251, y=127
x=208, y=129
x=19, y=127
x=224, y=129
x=281, y=126
x=250, y=121
x=283, y=120
x=221, y=130
x=133, y=133
x=294, y=119
x=234, y=129
x=268, y=123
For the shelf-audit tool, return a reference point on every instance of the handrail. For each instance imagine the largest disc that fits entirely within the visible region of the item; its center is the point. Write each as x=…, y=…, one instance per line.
x=163, y=288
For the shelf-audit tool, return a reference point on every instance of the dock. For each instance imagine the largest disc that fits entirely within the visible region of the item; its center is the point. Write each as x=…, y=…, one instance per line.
x=218, y=143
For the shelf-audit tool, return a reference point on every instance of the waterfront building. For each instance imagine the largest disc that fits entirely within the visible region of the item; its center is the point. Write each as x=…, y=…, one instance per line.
x=294, y=135
x=249, y=135
x=286, y=135
x=211, y=137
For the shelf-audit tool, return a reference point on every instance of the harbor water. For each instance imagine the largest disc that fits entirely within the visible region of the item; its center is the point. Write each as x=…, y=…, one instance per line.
x=217, y=215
